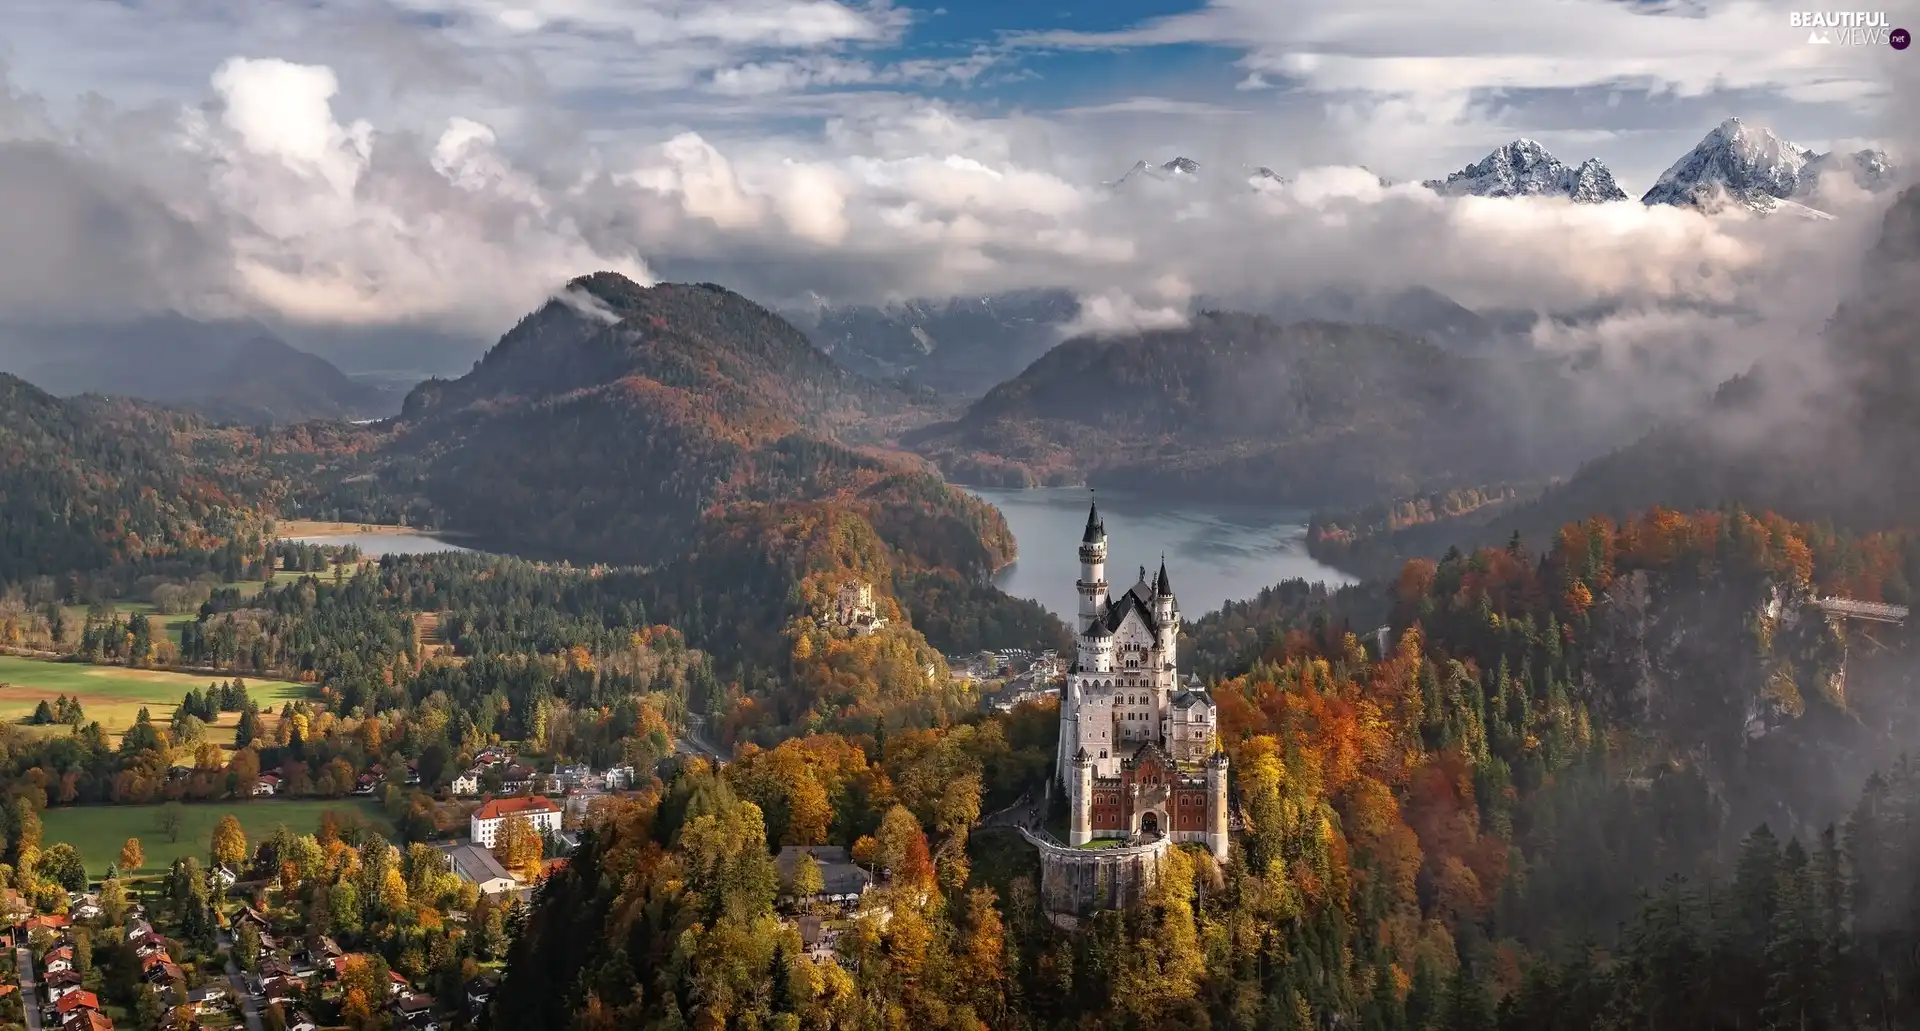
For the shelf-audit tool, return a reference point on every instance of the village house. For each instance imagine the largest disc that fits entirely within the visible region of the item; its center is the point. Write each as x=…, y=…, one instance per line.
x=301, y=1022
x=87, y=1020
x=413, y=1008
x=476, y=864
x=517, y=779
x=58, y=959
x=617, y=778
x=487, y=820
x=60, y=984
x=467, y=783
x=280, y=990
x=844, y=881
x=479, y=990
x=75, y=1002
x=267, y=786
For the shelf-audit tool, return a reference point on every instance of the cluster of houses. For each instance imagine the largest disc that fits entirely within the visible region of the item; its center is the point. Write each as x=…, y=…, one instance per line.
x=519, y=779
x=67, y=1004
x=64, y=1003
x=290, y=966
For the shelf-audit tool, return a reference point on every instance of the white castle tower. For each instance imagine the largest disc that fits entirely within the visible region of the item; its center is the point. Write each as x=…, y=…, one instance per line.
x=1124, y=690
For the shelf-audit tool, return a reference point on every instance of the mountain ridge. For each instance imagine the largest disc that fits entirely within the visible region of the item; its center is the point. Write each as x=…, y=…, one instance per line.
x=231, y=371
x=1524, y=168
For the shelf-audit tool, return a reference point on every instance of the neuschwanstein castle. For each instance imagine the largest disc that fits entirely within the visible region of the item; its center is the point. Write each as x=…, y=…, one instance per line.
x=1138, y=753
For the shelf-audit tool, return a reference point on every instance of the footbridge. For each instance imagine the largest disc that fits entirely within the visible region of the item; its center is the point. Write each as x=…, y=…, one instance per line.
x=1878, y=612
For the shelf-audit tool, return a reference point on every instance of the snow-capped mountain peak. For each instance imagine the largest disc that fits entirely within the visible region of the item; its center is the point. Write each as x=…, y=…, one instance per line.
x=1737, y=164
x=1524, y=168
x=1178, y=168
x=1870, y=170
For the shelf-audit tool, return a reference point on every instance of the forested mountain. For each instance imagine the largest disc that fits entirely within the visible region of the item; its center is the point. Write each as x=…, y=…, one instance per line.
x=613, y=422
x=93, y=482
x=1241, y=407
x=236, y=371
x=741, y=363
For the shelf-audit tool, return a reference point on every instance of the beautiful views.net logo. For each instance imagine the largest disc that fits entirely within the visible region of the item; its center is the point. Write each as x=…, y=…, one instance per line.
x=1847, y=28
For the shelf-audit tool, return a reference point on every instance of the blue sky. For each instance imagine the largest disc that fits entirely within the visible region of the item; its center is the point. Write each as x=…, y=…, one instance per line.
x=380, y=161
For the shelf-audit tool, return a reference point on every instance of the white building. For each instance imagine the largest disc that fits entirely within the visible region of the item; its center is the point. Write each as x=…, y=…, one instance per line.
x=476, y=864
x=467, y=783
x=1123, y=691
x=487, y=820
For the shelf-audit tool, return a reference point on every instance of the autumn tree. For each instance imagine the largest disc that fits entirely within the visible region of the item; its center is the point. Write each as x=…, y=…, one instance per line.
x=132, y=856
x=519, y=847
x=229, y=845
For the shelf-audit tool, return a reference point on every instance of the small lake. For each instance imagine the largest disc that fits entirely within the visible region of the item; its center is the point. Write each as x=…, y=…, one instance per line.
x=380, y=545
x=1215, y=552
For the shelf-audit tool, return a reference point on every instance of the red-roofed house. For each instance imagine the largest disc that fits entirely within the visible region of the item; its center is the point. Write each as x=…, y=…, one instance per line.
x=87, y=1020
x=47, y=920
x=76, y=1002
x=489, y=818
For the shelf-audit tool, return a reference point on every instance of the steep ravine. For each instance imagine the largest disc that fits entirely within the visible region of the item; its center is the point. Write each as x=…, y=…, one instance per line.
x=1783, y=712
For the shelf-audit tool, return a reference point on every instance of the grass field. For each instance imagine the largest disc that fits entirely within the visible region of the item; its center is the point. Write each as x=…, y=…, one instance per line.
x=114, y=694
x=99, y=831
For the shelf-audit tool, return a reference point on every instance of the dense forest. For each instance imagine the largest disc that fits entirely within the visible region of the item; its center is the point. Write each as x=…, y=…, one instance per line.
x=1480, y=828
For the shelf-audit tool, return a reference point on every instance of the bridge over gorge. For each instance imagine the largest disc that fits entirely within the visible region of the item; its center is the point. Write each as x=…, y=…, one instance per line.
x=1878, y=612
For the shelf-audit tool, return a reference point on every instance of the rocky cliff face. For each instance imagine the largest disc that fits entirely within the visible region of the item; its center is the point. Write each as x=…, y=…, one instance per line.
x=1781, y=711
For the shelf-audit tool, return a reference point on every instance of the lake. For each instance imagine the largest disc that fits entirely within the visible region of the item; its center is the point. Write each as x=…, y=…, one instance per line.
x=380, y=545
x=1215, y=552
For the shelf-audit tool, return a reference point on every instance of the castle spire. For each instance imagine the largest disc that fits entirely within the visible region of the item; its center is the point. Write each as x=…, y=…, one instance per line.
x=1096, y=527
x=1161, y=585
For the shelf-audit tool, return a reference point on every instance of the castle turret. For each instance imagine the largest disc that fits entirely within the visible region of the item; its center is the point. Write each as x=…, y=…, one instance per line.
x=1080, y=821
x=1093, y=568
x=1096, y=647
x=1166, y=609
x=1217, y=822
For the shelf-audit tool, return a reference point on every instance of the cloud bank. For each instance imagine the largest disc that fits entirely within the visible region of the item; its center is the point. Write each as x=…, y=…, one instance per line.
x=265, y=199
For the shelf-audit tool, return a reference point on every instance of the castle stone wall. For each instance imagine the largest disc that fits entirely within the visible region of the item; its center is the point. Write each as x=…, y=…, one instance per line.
x=1077, y=882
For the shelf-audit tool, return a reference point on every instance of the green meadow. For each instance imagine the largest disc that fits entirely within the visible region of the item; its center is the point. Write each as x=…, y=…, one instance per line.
x=98, y=831
x=114, y=695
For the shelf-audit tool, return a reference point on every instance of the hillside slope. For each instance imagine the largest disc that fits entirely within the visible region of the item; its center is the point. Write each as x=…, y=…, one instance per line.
x=91, y=483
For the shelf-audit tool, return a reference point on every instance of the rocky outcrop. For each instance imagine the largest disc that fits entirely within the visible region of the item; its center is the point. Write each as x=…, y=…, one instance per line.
x=1782, y=711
